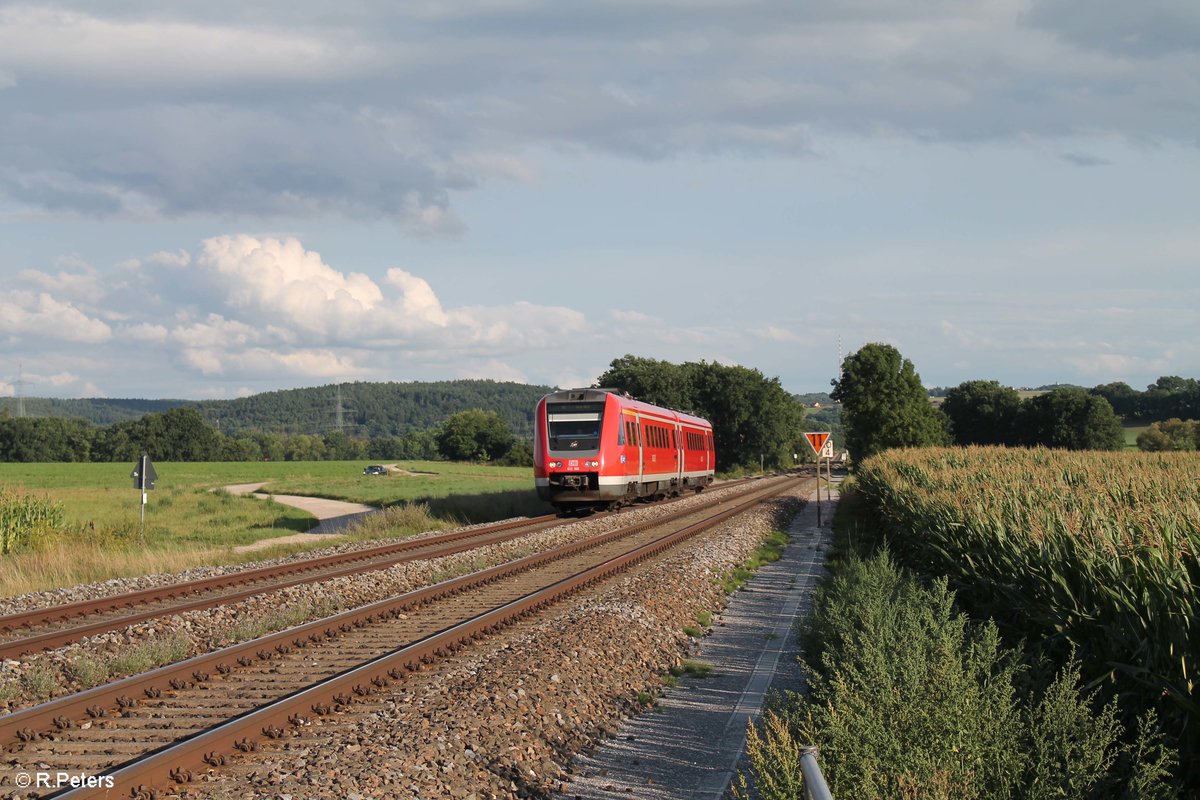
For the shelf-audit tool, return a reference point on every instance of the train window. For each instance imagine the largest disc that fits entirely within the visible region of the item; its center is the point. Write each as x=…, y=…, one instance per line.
x=574, y=426
x=621, y=435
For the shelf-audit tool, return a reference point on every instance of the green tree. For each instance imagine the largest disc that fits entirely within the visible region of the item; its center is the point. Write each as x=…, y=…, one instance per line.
x=1072, y=419
x=521, y=454
x=241, y=448
x=1125, y=400
x=659, y=382
x=884, y=404
x=178, y=434
x=474, y=435
x=1174, y=434
x=754, y=420
x=982, y=412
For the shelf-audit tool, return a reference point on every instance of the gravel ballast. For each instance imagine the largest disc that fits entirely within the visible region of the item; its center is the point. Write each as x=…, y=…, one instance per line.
x=32, y=679
x=503, y=718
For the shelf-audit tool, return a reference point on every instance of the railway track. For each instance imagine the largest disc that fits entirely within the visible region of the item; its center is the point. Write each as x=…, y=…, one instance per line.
x=282, y=680
x=54, y=626
x=39, y=629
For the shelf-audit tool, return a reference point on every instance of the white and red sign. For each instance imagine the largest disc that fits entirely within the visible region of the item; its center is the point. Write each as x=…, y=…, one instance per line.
x=821, y=443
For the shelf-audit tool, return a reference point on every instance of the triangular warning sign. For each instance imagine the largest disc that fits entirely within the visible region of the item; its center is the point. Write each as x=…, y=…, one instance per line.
x=817, y=441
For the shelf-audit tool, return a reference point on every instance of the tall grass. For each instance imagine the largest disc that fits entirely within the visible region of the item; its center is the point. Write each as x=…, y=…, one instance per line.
x=91, y=530
x=1091, y=552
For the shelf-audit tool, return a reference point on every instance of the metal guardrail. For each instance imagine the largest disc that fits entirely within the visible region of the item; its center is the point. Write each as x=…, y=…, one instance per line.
x=815, y=787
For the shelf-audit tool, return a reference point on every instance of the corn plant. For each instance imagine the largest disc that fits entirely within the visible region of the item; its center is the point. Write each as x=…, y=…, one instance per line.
x=27, y=522
x=1092, y=551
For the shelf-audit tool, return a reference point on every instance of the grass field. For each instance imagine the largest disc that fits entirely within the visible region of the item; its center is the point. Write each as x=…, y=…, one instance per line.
x=1131, y=434
x=189, y=524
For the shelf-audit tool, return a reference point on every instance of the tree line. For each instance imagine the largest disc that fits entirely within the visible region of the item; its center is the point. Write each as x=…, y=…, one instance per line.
x=359, y=409
x=755, y=422
x=884, y=405
x=182, y=434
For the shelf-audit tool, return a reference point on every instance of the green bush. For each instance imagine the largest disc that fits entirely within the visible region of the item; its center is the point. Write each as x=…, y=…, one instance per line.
x=909, y=698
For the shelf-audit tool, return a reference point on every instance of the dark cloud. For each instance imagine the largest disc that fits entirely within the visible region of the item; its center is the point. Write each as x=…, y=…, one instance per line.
x=284, y=110
x=1150, y=28
x=1084, y=160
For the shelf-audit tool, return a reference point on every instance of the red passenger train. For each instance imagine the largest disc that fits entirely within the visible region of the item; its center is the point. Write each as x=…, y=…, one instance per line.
x=598, y=447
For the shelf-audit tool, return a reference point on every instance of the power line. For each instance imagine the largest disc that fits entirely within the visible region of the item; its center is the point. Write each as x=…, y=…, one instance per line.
x=20, y=383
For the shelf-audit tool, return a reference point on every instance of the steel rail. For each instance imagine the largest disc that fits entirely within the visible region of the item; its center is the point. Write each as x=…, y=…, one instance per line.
x=80, y=608
x=62, y=712
x=178, y=762
x=268, y=579
x=453, y=543
x=310, y=570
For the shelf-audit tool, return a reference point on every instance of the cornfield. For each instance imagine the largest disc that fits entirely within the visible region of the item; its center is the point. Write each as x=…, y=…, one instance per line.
x=1095, y=552
x=27, y=522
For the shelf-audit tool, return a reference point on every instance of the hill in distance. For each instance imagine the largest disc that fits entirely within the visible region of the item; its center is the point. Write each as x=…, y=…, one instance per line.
x=358, y=409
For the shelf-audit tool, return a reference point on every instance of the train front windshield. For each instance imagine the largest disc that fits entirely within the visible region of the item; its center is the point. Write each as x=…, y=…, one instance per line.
x=573, y=427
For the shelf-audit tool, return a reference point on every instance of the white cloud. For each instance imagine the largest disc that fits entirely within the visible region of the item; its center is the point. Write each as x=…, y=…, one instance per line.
x=41, y=316
x=773, y=333
x=148, y=52
x=179, y=259
x=85, y=283
x=289, y=284
x=493, y=369
x=145, y=332
x=418, y=303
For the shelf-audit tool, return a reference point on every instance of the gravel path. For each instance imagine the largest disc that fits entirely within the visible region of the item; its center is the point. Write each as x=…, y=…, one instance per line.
x=332, y=515
x=691, y=745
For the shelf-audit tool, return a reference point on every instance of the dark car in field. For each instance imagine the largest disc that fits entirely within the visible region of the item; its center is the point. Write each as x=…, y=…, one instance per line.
x=375, y=469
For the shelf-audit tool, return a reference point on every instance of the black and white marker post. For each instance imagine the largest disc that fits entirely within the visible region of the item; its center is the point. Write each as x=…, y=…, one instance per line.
x=144, y=477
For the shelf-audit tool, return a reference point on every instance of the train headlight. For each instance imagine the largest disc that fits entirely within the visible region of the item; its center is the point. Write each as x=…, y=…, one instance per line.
x=591, y=463
x=555, y=465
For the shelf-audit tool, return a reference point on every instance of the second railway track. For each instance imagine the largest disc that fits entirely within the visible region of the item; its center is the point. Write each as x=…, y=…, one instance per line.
x=38, y=629
x=317, y=666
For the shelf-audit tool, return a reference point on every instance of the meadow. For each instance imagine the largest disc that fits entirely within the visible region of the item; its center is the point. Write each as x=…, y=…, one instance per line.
x=190, y=521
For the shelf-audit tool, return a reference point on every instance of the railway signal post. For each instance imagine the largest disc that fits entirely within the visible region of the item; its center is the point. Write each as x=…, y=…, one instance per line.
x=821, y=443
x=144, y=477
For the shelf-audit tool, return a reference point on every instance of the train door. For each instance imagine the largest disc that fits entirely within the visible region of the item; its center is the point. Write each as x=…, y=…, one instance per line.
x=677, y=434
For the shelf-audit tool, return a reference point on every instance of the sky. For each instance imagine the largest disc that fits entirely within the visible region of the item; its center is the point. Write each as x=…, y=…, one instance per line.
x=214, y=199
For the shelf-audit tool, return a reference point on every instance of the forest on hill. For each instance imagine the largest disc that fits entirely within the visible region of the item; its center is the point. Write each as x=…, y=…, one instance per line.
x=366, y=409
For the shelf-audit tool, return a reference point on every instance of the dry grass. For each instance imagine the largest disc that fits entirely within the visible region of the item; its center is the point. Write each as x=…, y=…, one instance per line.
x=72, y=563
x=80, y=558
